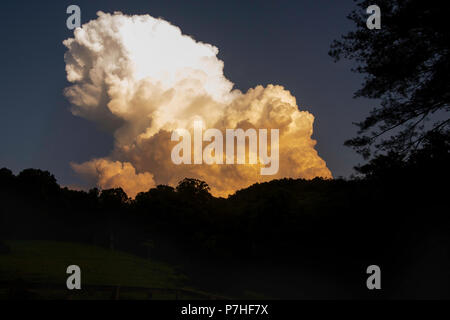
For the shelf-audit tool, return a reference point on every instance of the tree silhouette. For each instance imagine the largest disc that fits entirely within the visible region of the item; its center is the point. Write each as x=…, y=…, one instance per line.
x=406, y=66
x=193, y=188
x=385, y=215
x=113, y=199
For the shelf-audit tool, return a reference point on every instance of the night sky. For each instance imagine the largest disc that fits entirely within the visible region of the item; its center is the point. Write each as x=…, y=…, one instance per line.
x=260, y=42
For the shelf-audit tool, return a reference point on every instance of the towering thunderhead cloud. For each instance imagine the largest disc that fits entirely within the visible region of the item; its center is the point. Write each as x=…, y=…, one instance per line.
x=141, y=78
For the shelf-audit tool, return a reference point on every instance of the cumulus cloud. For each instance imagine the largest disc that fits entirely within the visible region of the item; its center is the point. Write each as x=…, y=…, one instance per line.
x=115, y=174
x=141, y=78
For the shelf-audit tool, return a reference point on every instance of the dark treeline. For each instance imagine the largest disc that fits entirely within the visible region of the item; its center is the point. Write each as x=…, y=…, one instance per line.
x=389, y=215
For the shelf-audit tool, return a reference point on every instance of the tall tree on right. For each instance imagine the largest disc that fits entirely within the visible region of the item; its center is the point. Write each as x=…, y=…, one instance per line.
x=406, y=65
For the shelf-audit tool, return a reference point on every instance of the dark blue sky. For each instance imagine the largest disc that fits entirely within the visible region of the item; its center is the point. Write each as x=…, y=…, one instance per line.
x=261, y=42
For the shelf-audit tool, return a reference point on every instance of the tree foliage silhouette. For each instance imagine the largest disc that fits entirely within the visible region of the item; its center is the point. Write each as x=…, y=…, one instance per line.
x=406, y=66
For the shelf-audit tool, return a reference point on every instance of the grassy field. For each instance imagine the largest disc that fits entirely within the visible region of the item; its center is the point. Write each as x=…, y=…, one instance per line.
x=46, y=263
